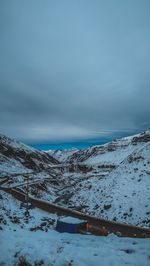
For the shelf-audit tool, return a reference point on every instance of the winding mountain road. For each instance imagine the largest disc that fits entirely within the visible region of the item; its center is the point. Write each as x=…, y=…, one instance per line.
x=111, y=226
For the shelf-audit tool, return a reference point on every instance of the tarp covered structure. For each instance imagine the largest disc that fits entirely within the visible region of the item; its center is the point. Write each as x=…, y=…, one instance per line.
x=70, y=225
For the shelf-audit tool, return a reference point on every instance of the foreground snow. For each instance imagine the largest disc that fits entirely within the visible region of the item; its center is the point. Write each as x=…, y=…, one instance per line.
x=53, y=248
x=37, y=242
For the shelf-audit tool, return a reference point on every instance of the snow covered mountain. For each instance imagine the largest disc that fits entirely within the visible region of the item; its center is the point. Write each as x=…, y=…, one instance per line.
x=62, y=155
x=15, y=152
x=123, y=194
x=111, y=181
x=112, y=153
x=19, y=162
x=118, y=185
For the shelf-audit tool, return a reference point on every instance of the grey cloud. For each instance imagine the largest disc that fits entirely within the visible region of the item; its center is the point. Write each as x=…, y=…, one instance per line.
x=74, y=68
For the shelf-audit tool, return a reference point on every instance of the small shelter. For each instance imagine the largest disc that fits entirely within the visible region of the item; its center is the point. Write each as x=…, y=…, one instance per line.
x=71, y=225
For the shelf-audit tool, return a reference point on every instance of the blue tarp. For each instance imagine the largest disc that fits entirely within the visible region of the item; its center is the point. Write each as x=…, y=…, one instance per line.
x=70, y=227
x=65, y=227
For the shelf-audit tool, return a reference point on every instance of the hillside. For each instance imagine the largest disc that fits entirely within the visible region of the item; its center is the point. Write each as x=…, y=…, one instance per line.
x=23, y=155
x=36, y=243
x=117, y=185
x=124, y=194
x=110, y=181
x=110, y=153
x=19, y=162
x=61, y=155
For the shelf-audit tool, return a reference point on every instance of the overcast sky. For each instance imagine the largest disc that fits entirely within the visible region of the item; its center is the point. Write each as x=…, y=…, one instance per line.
x=74, y=68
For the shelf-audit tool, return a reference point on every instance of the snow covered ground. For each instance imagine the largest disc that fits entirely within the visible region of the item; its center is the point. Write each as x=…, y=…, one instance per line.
x=116, y=187
x=61, y=155
x=37, y=242
x=62, y=249
x=110, y=153
x=122, y=195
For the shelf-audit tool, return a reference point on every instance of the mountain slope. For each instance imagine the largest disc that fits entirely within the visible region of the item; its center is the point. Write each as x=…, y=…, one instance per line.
x=124, y=194
x=115, y=185
x=24, y=155
x=108, y=181
x=62, y=155
x=37, y=243
x=19, y=163
x=110, y=153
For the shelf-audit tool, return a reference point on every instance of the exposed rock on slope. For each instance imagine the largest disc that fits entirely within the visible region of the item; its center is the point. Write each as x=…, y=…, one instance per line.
x=110, y=153
x=61, y=155
x=25, y=155
x=124, y=194
x=19, y=162
x=110, y=181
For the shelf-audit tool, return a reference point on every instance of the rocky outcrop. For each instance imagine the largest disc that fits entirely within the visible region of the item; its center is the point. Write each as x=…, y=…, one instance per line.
x=113, y=146
x=27, y=156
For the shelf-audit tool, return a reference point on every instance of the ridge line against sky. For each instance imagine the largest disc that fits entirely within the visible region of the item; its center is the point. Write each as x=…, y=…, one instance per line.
x=74, y=70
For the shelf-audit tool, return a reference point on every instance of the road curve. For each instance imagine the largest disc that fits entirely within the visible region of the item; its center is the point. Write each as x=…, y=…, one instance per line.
x=111, y=226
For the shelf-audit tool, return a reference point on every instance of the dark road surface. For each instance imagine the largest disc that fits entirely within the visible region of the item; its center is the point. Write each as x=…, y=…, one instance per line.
x=111, y=226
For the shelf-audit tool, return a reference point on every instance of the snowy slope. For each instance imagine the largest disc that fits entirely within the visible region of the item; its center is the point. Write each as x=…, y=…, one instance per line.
x=110, y=153
x=121, y=193
x=19, y=162
x=124, y=194
x=111, y=180
x=52, y=248
x=61, y=155
x=16, y=153
x=37, y=243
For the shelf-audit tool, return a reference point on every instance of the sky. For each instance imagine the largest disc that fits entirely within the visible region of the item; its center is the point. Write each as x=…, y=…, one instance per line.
x=75, y=69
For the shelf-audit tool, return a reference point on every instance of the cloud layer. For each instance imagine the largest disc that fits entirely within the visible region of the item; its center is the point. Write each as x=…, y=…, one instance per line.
x=74, y=69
